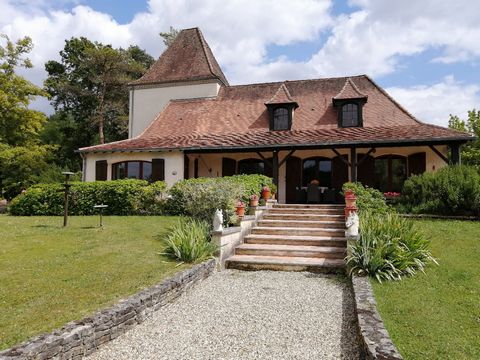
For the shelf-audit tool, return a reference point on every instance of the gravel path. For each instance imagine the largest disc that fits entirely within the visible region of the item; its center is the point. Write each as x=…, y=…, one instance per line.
x=248, y=315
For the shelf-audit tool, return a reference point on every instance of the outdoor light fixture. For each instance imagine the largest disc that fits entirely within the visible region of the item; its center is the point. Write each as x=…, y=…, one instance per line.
x=65, y=196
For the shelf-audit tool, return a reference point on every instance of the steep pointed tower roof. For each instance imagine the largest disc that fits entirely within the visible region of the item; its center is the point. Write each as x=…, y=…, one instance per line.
x=188, y=58
x=282, y=96
x=349, y=91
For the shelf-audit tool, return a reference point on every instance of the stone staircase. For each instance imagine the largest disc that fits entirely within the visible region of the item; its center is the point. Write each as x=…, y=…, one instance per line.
x=295, y=238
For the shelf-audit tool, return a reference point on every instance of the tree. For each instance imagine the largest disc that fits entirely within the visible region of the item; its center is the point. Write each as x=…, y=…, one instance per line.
x=470, y=152
x=90, y=93
x=169, y=36
x=19, y=125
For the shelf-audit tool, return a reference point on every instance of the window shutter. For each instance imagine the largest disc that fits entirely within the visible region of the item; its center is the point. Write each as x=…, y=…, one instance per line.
x=186, y=167
x=339, y=175
x=269, y=167
x=101, y=170
x=158, y=170
x=417, y=164
x=228, y=167
x=366, y=170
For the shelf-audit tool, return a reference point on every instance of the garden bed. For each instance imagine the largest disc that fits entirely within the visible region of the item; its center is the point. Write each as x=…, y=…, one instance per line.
x=51, y=275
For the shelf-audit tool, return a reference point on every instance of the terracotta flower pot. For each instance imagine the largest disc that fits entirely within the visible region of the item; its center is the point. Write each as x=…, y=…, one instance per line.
x=266, y=194
x=240, y=211
x=253, y=203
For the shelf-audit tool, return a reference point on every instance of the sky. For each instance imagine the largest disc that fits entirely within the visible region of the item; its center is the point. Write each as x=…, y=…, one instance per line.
x=425, y=53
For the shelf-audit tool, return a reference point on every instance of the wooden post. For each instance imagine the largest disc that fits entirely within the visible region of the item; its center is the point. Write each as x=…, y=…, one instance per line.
x=353, y=164
x=275, y=169
x=455, y=152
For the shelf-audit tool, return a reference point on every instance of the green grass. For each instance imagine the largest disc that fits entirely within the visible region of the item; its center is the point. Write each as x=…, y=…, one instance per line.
x=50, y=275
x=437, y=315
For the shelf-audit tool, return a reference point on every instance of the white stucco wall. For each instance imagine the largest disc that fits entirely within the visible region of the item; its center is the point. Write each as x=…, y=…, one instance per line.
x=146, y=103
x=173, y=163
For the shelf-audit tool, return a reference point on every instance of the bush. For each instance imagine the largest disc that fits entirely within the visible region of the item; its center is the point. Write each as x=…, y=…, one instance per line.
x=453, y=190
x=368, y=199
x=189, y=241
x=389, y=247
x=123, y=197
x=199, y=198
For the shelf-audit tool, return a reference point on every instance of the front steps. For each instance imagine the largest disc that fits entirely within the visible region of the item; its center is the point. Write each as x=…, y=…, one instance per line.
x=295, y=238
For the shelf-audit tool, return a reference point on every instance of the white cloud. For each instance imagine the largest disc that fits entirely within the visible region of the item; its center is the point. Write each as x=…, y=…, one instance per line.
x=434, y=103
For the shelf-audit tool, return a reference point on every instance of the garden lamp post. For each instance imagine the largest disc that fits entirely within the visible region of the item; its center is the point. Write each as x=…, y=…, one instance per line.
x=65, y=196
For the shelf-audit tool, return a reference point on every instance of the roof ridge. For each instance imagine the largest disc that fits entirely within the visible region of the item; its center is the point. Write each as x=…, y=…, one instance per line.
x=297, y=80
x=202, y=41
x=205, y=48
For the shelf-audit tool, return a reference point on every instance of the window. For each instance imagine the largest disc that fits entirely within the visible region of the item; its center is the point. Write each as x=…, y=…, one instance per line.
x=132, y=170
x=251, y=166
x=350, y=115
x=317, y=169
x=281, y=119
x=390, y=173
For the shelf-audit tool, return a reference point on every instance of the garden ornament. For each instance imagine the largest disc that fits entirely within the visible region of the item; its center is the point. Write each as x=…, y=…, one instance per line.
x=352, y=225
x=218, y=220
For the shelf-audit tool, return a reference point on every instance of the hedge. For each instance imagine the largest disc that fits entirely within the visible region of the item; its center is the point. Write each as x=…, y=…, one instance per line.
x=123, y=197
x=199, y=198
x=453, y=190
x=368, y=199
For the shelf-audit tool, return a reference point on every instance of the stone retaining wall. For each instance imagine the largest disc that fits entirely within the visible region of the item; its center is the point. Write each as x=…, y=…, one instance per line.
x=80, y=338
x=373, y=336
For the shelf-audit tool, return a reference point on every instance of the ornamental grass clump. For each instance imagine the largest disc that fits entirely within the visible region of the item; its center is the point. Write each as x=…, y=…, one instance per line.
x=189, y=241
x=389, y=248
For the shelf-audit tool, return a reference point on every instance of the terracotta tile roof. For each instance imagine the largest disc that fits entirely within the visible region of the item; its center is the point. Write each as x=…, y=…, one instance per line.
x=350, y=91
x=238, y=118
x=188, y=58
x=282, y=96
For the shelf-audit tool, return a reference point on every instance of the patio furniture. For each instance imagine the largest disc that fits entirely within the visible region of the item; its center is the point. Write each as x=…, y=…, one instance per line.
x=313, y=193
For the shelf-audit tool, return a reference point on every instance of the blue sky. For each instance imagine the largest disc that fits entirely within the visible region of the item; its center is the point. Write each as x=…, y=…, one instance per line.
x=425, y=53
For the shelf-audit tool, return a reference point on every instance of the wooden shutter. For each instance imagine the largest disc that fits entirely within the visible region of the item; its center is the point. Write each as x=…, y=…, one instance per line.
x=101, y=170
x=293, y=178
x=186, y=167
x=158, y=170
x=366, y=170
x=417, y=163
x=228, y=167
x=268, y=166
x=339, y=172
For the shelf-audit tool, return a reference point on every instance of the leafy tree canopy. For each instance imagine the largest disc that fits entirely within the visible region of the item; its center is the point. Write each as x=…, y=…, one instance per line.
x=470, y=152
x=169, y=36
x=19, y=125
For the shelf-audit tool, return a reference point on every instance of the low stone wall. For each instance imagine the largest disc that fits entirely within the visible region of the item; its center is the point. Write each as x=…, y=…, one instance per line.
x=80, y=338
x=373, y=336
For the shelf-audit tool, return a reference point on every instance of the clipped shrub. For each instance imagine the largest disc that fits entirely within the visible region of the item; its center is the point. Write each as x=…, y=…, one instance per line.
x=453, y=190
x=189, y=241
x=368, y=199
x=123, y=197
x=389, y=247
x=199, y=198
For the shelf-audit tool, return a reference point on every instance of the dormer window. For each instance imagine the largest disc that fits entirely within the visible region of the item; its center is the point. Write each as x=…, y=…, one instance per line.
x=281, y=119
x=350, y=116
x=349, y=103
x=280, y=109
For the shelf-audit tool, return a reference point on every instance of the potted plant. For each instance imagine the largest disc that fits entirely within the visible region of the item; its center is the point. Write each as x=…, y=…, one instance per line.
x=266, y=193
x=240, y=208
x=253, y=200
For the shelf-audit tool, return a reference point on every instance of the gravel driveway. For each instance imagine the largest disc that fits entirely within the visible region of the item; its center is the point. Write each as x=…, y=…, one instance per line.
x=248, y=315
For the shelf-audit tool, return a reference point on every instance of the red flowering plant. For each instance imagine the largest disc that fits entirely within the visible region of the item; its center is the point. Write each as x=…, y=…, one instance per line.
x=240, y=203
x=254, y=197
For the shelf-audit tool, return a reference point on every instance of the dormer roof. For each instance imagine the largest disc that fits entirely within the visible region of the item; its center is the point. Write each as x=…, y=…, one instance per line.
x=282, y=96
x=349, y=91
x=188, y=58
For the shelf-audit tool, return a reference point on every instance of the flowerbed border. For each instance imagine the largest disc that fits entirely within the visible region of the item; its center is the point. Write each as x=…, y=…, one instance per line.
x=81, y=338
x=373, y=335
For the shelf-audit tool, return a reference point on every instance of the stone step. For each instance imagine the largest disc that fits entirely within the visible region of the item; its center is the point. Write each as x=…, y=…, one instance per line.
x=309, y=206
x=295, y=216
x=302, y=223
x=330, y=252
x=280, y=263
x=296, y=240
x=305, y=231
x=310, y=211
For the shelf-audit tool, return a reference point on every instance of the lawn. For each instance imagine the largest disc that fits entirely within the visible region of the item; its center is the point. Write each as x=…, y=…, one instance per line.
x=437, y=315
x=50, y=275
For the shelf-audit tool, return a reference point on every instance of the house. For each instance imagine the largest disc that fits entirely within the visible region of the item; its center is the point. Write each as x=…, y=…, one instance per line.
x=187, y=121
